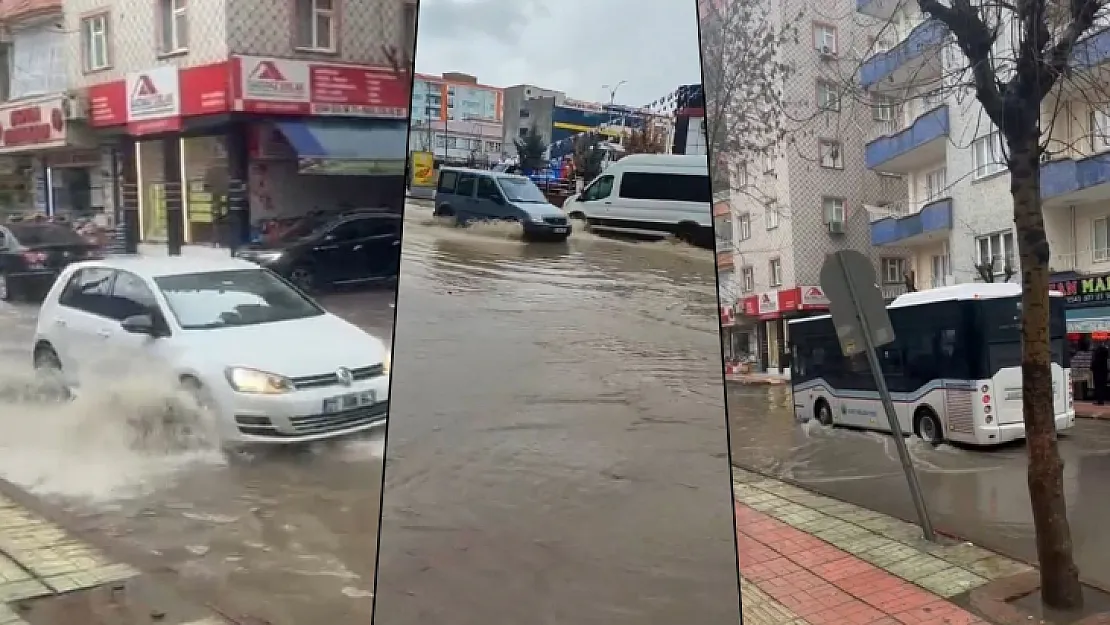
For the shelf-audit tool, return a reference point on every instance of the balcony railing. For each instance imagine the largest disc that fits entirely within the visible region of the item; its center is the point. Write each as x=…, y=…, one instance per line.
x=926, y=39
x=920, y=141
x=933, y=218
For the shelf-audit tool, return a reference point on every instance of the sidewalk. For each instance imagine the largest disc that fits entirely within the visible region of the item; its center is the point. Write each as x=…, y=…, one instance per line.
x=806, y=559
x=1091, y=410
x=43, y=571
x=756, y=379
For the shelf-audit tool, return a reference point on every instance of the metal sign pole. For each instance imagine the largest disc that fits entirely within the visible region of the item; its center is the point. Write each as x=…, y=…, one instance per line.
x=888, y=406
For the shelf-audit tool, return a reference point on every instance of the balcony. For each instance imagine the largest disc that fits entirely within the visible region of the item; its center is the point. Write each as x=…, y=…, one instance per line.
x=1091, y=51
x=931, y=224
x=915, y=59
x=1070, y=181
x=881, y=10
x=921, y=144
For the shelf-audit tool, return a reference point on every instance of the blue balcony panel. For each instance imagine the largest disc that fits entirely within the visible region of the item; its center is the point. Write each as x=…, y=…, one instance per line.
x=881, y=10
x=1091, y=51
x=1072, y=181
x=905, y=61
x=920, y=145
x=931, y=224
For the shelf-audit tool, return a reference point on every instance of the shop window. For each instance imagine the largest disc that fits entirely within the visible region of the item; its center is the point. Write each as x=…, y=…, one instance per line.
x=175, y=26
x=94, y=43
x=316, y=25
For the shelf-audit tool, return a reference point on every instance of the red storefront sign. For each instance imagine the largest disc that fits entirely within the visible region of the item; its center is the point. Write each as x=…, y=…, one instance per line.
x=812, y=298
x=33, y=125
x=788, y=300
x=728, y=315
x=201, y=90
x=768, y=305
x=751, y=306
x=294, y=87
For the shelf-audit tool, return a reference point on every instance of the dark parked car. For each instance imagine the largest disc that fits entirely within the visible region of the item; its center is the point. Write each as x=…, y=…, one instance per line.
x=33, y=253
x=348, y=249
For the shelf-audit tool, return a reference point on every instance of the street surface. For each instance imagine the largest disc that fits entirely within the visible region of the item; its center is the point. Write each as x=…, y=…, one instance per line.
x=557, y=436
x=978, y=495
x=557, y=443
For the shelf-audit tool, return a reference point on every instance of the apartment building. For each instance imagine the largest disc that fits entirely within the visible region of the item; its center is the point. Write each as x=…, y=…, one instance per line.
x=456, y=118
x=957, y=217
x=206, y=119
x=806, y=198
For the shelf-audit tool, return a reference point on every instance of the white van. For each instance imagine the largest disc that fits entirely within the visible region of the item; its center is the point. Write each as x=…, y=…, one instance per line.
x=654, y=195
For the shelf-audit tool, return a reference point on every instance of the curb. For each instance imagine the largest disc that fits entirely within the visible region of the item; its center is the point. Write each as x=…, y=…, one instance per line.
x=117, y=550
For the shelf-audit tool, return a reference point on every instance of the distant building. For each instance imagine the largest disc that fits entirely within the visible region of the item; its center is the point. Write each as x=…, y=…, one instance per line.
x=689, y=121
x=520, y=110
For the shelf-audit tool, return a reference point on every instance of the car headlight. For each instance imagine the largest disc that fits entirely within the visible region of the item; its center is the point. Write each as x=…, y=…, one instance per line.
x=538, y=219
x=387, y=362
x=254, y=381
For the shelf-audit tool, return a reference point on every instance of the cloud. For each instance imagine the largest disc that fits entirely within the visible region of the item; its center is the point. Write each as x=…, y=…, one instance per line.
x=575, y=46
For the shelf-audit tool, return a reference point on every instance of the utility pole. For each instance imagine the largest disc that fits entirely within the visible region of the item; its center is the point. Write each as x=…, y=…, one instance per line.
x=612, y=103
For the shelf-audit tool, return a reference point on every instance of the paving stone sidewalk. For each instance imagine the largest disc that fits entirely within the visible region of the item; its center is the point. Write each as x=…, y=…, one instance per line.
x=806, y=559
x=40, y=560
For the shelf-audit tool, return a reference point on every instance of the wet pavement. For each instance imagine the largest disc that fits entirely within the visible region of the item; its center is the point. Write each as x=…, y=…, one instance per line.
x=557, y=435
x=979, y=495
x=557, y=444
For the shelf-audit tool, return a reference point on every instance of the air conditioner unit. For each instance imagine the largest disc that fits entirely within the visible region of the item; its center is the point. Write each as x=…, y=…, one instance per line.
x=836, y=227
x=75, y=108
x=827, y=51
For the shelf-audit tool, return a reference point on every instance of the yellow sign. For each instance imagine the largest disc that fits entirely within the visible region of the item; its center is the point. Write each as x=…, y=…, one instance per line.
x=423, y=169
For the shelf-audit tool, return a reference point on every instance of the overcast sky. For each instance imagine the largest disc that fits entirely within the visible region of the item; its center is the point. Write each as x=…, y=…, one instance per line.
x=574, y=46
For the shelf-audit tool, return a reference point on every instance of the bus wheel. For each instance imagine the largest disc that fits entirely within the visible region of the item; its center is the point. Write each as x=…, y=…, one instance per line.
x=823, y=412
x=927, y=426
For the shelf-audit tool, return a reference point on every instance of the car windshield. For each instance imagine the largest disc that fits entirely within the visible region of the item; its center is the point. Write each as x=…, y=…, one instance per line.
x=521, y=190
x=304, y=228
x=36, y=234
x=239, y=297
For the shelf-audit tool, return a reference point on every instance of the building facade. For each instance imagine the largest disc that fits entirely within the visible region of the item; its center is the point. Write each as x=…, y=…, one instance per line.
x=457, y=119
x=519, y=113
x=806, y=198
x=211, y=118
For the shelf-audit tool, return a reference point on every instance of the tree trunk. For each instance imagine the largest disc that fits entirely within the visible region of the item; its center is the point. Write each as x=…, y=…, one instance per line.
x=1060, y=586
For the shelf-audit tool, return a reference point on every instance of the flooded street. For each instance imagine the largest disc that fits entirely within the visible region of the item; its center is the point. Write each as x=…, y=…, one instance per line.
x=557, y=433
x=979, y=495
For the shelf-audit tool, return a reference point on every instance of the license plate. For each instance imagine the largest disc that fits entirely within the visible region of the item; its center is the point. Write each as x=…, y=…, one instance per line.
x=349, y=401
x=559, y=230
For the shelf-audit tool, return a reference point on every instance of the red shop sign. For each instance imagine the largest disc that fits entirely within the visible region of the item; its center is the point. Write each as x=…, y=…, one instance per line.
x=33, y=125
x=751, y=306
x=202, y=90
x=295, y=87
x=788, y=300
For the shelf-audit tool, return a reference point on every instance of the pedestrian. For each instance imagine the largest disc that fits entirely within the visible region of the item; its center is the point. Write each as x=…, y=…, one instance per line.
x=1100, y=368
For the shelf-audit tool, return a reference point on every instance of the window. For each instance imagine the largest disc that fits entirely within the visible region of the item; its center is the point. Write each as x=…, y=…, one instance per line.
x=89, y=290
x=599, y=190
x=742, y=175
x=776, y=271
x=940, y=270
x=772, y=213
x=1100, y=130
x=94, y=43
x=894, y=270
x=768, y=163
x=824, y=38
x=832, y=156
x=833, y=209
x=447, y=181
x=452, y=142
x=239, y=297
x=131, y=296
x=467, y=183
x=175, y=26
x=882, y=109
x=487, y=189
x=1100, y=246
x=316, y=25
x=828, y=99
x=933, y=99
x=997, y=250
x=988, y=156
x=672, y=187
x=936, y=184
x=744, y=226
x=747, y=279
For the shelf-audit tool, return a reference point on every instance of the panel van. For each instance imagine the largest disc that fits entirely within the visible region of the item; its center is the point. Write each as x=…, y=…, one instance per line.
x=469, y=195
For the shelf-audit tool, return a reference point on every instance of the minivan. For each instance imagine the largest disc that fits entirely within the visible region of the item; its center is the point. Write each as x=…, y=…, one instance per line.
x=468, y=195
x=650, y=195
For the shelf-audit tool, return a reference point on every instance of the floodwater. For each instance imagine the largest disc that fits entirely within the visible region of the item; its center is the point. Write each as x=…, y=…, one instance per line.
x=977, y=494
x=557, y=453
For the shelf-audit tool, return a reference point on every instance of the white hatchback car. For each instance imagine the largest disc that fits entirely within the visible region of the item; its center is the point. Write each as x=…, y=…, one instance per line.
x=271, y=364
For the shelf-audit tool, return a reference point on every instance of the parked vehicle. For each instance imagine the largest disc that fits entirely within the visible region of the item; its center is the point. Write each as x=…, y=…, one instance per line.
x=356, y=247
x=469, y=195
x=33, y=252
x=267, y=361
x=650, y=195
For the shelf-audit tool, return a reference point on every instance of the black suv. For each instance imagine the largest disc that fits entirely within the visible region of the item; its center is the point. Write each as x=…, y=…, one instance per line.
x=326, y=251
x=33, y=253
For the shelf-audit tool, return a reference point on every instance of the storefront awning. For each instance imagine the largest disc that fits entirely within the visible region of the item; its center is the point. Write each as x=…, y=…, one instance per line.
x=1087, y=320
x=348, y=148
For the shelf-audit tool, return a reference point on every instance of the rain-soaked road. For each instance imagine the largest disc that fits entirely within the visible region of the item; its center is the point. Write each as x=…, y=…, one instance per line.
x=557, y=443
x=557, y=453
x=980, y=495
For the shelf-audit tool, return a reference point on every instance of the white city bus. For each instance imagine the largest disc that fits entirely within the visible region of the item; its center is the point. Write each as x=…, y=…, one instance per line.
x=954, y=370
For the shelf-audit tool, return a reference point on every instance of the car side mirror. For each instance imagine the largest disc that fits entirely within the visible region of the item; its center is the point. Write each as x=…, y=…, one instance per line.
x=497, y=199
x=139, y=324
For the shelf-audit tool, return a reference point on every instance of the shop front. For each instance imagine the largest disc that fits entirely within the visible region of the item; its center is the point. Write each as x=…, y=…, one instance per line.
x=213, y=154
x=772, y=310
